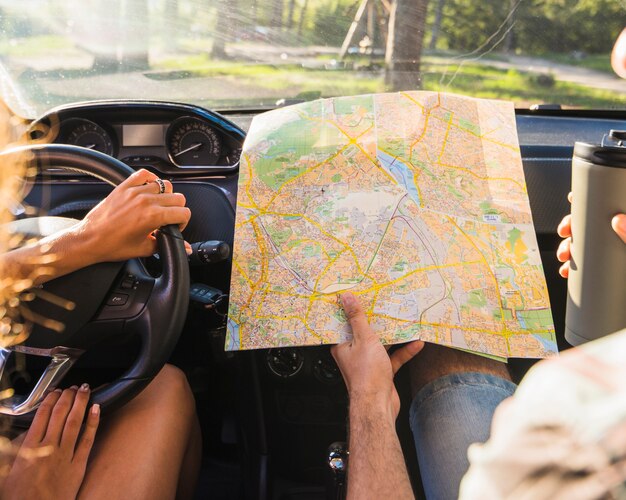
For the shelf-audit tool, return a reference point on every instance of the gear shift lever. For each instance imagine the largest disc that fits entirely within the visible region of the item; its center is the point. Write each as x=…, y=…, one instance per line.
x=337, y=460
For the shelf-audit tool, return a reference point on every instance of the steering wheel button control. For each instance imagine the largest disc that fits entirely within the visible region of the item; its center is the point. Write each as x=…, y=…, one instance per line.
x=128, y=283
x=209, y=252
x=117, y=299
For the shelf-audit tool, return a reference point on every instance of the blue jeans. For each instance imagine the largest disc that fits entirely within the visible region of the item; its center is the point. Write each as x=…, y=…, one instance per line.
x=446, y=416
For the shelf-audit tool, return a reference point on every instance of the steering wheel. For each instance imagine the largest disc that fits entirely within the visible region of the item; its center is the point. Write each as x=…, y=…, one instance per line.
x=100, y=303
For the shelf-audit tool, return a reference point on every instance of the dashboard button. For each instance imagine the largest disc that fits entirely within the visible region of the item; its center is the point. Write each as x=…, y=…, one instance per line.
x=117, y=299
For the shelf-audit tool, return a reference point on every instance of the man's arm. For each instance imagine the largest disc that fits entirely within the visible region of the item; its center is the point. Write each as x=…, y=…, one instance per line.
x=376, y=467
x=119, y=228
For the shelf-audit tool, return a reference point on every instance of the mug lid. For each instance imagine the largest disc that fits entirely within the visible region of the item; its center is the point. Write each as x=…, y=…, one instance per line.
x=613, y=155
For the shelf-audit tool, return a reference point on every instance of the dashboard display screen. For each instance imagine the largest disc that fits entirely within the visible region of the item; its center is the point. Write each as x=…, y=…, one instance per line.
x=143, y=135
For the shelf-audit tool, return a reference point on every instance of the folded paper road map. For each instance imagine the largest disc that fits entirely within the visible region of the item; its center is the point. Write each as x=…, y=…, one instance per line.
x=414, y=201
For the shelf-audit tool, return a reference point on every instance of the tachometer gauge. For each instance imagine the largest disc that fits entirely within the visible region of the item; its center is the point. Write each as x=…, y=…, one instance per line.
x=90, y=135
x=192, y=142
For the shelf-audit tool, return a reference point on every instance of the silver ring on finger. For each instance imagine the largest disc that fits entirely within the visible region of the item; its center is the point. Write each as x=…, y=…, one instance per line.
x=161, y=185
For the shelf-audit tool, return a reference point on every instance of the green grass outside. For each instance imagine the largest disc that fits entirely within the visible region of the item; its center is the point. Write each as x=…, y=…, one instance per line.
x=291, y=80
x=524, y=89
x=598, y=62
x=34, y=46
x=470, y=79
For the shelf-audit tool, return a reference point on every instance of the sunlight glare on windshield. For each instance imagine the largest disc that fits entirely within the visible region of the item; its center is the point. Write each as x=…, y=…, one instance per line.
x=249, y=54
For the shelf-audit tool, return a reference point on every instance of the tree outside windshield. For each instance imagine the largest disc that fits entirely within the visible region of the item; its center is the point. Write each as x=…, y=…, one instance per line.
x=247, y=53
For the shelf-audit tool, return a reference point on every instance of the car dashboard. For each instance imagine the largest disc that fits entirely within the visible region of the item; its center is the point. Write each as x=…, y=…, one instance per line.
x=261, y=409
x=169, y=138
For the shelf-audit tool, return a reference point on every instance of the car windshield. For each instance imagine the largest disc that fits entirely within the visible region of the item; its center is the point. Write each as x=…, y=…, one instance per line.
x=228, y=54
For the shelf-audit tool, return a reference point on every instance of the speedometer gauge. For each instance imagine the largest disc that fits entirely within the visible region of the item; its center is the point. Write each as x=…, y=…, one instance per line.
x=88, y=134
x=192, y=142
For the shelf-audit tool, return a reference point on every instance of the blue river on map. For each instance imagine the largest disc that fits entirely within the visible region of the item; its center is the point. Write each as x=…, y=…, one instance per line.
x=401, y=172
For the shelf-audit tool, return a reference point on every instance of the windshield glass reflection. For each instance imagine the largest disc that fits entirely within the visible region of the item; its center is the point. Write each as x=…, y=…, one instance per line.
x=249, y=54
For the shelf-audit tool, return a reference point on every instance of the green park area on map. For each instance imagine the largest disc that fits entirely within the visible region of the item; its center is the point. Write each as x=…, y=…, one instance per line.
x=415, y=202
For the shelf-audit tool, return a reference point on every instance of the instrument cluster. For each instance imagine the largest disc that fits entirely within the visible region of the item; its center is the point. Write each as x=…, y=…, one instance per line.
x=166, y=137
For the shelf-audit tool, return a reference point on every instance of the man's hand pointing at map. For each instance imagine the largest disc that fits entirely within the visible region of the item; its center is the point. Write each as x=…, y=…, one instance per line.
x=366, y=368
x=374, y=405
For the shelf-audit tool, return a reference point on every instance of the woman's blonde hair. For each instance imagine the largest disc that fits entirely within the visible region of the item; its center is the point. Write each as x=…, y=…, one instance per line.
x=13, y=175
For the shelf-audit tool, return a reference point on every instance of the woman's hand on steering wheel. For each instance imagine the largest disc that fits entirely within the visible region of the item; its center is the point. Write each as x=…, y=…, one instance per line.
x=122, y=225
x=118, y=229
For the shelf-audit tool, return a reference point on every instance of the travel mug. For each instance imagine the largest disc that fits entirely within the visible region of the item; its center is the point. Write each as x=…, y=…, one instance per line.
x=596, y=286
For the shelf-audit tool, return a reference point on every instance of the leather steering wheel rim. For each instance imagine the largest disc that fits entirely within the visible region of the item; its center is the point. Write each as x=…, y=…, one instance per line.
x=162, y=318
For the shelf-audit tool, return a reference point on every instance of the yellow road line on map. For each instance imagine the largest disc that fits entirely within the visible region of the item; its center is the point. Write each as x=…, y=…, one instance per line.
x=445, y=137
x=495, y=280
x=426, y=117
x=480, y=176
x=421, y=136
x=438, y=325
x=370, y=309
x=325, y=233
x=407, y=96
x=261, y=302
x=247, y=221
x=416, y=176
x=336, y=125
x=481, y=136
x=263, y=277
x=353, y=140
x=501, y=333
x=380, y=242
x=417, y=171
x=319, y=277
x=326, y=267
x=249, y=181
x=415, y=271
x=307, y=171
x=364, y=132
x=243, y=273
x=329, y=298
x=303, y=241
x=262, y=247
x=284, y=318
x=263, y=250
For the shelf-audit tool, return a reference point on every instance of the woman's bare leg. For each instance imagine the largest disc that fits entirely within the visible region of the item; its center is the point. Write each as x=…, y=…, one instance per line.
x=190, y=467
x=150, y=448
